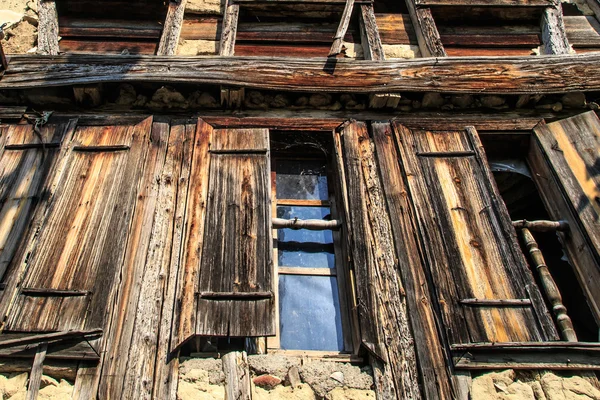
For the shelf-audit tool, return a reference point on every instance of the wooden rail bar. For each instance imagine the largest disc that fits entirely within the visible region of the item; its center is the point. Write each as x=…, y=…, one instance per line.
x=48, y=337
x=542, y=226
x=497, y=302
x=310, y=224
x=549, y=287
x=499, y=75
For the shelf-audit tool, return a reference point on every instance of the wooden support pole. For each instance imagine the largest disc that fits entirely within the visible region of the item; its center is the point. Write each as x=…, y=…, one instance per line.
x=3, y=61
x=35, y=377
x=542, y=226
x=554, y=36
x=369, y=34
x=47, y=28
x=172, y=28
x=310, y=224
x=237, y=376
x=551, y=291
x=229, y=30
x=338, y=39
x=428, y=36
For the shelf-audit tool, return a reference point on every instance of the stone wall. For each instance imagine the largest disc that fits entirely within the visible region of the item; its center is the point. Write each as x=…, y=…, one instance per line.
x=278, y=377
x=533, y=385
x=13, y=386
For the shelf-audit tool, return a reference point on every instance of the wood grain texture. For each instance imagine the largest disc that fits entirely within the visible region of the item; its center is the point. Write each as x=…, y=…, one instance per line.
x=47, y=27
x=35, y=377
x=484, y=3
x=84, y=27
x=554, y=36
x=428, y=36
x=582, y=31
x=237, y=255
x=369, y=34
x=94, y=200
x=516, y=75
x=229, y=30
x=564, y=157
x=472, y=248
x=237, y=376
x=192, y=204
x=169, y=39
x=412, y=269
x=381, y=295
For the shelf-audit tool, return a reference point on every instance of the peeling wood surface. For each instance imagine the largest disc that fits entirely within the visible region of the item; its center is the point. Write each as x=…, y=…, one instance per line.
x=554, y=36
x=369, y=34
x=471, y=249
x=47, y=27
x=517, y=75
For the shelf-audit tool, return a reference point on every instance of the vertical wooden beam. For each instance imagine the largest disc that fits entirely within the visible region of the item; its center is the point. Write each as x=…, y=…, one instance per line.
x=554, y=37
x=428, y=36
x=35, y=378
x=229, y=30
x=338, y=39
x=237, y=376
x=172, y=28
x=369, y=34
x=47, y=27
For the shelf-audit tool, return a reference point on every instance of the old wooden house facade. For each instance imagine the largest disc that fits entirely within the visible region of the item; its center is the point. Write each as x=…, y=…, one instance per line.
x=408, y=189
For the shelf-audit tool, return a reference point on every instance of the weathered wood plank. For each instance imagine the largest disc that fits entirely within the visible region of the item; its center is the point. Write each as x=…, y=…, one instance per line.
x=485, y=3
x=237, y=376
x=456, y=196
x=564, y=157
x=35, y=377
x=369, y=34
x=24, y=339
x=428, y=36
x=169, y=39
x=193, y=207
x=69, y=349
x=518, y=75
x=238, y=204
x=554, y=37
x=47, y=27
x=338, y=38
x=117, y=47
x=582, y=31
x=129, y=357
x=428, y=345
x=85, y=27
x=229, y=29
x=381, y=303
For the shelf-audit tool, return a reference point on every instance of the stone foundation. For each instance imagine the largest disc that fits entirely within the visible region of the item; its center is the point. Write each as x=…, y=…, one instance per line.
x=278, y=377
x=13, y=386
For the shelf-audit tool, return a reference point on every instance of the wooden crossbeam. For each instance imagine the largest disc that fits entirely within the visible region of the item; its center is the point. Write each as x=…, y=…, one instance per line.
x=497, y=75
x=172, y=28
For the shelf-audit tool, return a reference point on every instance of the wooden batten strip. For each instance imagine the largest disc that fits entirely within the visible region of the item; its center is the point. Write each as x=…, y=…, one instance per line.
x=93, y=149
x=27, y=146
x=496, y=302
x=172, y=29
x=369, y=34
x=338, y=39
x=235, y=295
x=554, y=36
x=446, y=154
x=239, y=151
x=48, y=337
x=47, y=28
x=44, y=292
x=35, y=377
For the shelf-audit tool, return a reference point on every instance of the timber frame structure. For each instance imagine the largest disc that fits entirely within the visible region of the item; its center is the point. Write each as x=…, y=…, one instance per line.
x=140, y=216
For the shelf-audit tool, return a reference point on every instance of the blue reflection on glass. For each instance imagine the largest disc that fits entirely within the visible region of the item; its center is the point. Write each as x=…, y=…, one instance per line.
x=310, y=316
x=304, y=248
x=301, y=180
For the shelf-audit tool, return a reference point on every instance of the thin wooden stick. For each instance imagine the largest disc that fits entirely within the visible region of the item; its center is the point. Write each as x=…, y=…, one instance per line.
x=563, y=320
x=35, y=378
x=310, y=224
x=336, y=47
x=48, y=337
x=542, y=226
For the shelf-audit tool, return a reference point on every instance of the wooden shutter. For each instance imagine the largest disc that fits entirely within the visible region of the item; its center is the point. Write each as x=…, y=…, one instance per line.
x=565, y=157
x=474, y=258
x=24, y=166
x=76, y=254
x=236, y=274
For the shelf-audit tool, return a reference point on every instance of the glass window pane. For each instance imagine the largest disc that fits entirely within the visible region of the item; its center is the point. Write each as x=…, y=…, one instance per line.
x=302, y=247
x=310, y=313
x=301, y=180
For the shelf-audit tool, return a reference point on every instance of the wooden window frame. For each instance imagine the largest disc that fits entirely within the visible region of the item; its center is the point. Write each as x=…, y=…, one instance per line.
x=340, y=270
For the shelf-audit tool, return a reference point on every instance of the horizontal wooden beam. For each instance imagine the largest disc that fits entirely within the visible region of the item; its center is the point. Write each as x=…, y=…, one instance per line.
x=310, y=224
x=500, y=75
x=542, y=226
x=486, y=3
